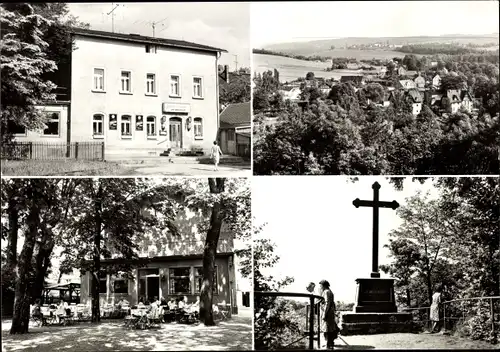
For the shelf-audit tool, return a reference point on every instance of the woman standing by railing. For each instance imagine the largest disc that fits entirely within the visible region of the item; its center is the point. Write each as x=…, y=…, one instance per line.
x=436, y=304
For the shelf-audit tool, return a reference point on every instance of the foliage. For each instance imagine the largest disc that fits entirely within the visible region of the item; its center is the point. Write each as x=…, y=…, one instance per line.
x=237, y=90
x=273, y=324
x=453, y=241
x=24, y=61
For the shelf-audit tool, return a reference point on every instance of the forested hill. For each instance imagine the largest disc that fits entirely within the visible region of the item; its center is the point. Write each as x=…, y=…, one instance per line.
x=315, y=46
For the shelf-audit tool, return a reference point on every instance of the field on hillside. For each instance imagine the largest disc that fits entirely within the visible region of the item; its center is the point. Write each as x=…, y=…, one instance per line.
x=291, y=69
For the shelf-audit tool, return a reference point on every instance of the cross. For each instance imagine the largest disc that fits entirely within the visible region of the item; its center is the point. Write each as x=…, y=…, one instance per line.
x=375, y=204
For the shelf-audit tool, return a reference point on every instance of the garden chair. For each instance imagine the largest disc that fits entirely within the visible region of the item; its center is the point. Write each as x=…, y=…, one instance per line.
x=154, y=317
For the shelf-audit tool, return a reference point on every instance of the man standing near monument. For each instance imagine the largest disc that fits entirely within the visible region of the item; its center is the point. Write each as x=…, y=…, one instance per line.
x=328, y=326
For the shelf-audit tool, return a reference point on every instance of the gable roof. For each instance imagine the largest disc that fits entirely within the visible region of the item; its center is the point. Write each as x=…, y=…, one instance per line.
x=405, y=82
x=235, y=114
x=136, y=38
x=453, y=95
x=415, y=95
x=465, y=93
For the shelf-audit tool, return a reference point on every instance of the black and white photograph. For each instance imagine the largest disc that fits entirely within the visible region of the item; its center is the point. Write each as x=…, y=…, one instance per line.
x=76, y=75
x=122, y=264
x=376, y=263
x=267, y=175
x=375, y=88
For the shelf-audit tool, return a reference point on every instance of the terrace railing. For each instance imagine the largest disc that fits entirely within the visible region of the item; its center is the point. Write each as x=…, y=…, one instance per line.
x=309, y=312
x=53, y=151
x=458, y=310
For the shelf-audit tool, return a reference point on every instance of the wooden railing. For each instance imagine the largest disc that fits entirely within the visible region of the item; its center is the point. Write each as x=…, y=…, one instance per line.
x=309, y=312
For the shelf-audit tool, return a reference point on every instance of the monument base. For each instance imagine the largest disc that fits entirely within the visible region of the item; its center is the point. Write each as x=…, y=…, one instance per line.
x=375, y=295
x=375, y=323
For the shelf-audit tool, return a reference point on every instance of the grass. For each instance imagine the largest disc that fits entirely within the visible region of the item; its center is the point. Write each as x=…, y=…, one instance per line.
x=62, y=168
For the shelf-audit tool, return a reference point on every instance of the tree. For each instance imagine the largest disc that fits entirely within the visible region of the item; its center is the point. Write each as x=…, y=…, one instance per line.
x=452, y=82
x=33, y=195
x=310, y=76
x=411, y=62
x=424, y=235
x=206, y=295
x=24, y=61
x=271, y=317
x=101, y=225
x=237, y=90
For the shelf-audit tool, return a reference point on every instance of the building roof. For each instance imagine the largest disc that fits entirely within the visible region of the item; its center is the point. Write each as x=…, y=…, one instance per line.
x=415, y=95
x=236, y=114
x=410, y=73
x=136, y=38
x=405, y=82
x=453, y=95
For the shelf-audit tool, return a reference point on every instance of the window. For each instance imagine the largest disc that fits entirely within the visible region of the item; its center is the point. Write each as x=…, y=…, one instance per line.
x=230, y=135
x=198, y=127
x=16, y=129
x=150, y=83
x=120, y=286
x=179, y=280
x=151, y=49
x=151, y=125
x=198, y=279
x=103, y=280
x=175, y=85
x=98, y=79
x=197, y=87
x=126, y=127
x=52, y=124
x=98, y=124
x=126, y=82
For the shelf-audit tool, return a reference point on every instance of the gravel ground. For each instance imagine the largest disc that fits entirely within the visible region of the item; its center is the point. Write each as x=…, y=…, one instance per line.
x=233, y=334
x=409, y=341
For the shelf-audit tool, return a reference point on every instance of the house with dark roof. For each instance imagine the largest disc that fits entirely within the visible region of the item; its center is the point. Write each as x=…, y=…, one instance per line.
x=235, y=129
x=136, y=95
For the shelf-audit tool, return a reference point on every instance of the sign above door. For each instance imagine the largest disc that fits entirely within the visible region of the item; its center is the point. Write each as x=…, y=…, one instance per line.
x=176, y=108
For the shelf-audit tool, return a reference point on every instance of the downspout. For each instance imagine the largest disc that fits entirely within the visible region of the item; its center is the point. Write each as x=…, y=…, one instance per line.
x=219, y=54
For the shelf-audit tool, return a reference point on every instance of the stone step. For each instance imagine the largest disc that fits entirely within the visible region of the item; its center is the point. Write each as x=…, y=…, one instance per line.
x=375, y=323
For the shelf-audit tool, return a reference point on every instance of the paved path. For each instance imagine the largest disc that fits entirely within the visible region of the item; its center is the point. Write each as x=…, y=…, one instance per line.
x=189, y=170
x=409, y=341
x=233, y=334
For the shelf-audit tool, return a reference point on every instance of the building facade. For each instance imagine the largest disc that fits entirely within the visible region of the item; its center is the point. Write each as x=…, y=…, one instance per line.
x=170, y=267
x=140, y=95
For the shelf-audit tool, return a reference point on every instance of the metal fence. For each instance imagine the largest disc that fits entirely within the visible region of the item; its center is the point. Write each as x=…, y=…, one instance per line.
x=457, y=311
x=53, y=151
x=310, y=316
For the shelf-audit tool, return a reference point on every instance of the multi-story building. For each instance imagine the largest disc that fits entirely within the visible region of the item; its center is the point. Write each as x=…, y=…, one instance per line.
x=137, y=94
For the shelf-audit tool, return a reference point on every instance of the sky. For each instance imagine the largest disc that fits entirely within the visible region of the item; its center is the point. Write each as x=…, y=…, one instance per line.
x=280, y=22
x=318, y=232
x=222, y=25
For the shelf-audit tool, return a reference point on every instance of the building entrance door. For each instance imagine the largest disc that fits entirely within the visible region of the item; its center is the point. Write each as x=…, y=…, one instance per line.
x=175, y=132
x=153, y=288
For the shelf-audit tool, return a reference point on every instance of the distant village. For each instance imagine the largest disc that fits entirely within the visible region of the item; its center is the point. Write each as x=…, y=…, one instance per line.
x=416, y=87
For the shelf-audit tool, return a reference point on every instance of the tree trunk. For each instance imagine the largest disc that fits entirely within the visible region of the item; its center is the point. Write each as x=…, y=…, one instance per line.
x=429, y=287
x=20, y=320
x=209, y=252
x=97, y=255
x=13, y=232
x=42, y=263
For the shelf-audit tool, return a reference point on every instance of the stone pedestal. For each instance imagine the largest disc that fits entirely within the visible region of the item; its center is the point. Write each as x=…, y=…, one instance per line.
x=375, y=311
x=375, y=295
x=375, y=323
